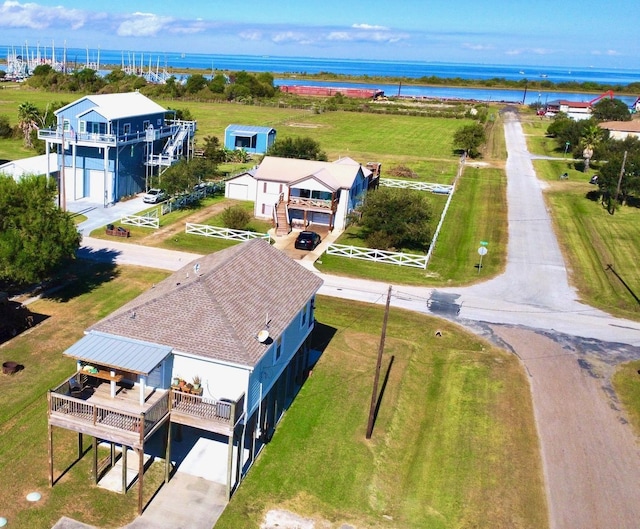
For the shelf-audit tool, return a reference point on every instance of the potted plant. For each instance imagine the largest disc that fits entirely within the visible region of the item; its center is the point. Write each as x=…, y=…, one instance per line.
x=175, y=381
x=196, y=382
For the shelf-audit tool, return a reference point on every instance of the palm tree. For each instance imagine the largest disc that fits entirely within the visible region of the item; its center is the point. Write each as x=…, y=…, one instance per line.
x=591, y=136
x=28, y=117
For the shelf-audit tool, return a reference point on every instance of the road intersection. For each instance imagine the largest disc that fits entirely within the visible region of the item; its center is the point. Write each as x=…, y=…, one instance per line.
x=590, y=454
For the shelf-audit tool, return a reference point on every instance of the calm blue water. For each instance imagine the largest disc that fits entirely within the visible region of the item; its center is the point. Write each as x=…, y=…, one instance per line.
x=371, y=68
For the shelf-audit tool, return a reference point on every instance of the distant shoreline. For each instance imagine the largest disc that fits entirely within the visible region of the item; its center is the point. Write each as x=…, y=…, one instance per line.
x=538, y=85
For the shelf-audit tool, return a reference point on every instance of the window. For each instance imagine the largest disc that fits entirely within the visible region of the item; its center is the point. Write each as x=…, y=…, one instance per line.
x=66, y=125
x=312, y=306
x=303, y=316
x=245, y=142
x=126, y=128
x=278, y=348
x=82, y=127
x=145, y=124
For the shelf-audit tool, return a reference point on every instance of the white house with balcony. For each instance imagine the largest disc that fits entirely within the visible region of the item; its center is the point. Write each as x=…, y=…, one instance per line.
x=299, y=193
x=109, y=145
x=240, y=320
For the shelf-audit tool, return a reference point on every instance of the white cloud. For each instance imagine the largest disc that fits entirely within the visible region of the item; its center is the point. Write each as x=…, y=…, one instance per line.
x=286, y=37
x=478, y=47
x=606, y=53
x=369, y=26
x=143, y=25
x=34, y=16
x=251, y=35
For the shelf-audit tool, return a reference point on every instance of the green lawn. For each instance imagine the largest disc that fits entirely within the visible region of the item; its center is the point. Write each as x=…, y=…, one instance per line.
x=454, y=444
x=625, y=383
x=97, y=290
x=478, y=212
x=592, y=240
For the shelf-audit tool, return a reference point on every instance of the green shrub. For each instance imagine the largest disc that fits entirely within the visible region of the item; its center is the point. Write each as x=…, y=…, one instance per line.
x=236, y=218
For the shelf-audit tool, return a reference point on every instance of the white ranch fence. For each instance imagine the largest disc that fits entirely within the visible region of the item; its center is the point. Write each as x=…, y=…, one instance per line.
x=150, y=220
x=224, y=233
x=400, y=258
x=440, y=189
x=378, y=256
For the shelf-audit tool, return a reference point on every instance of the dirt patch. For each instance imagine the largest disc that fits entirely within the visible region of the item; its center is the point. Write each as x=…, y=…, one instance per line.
x=281, y=519
x=304, y=125
x=178, y=227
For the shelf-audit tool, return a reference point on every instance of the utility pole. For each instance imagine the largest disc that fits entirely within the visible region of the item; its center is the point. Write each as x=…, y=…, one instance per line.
x=374, y=394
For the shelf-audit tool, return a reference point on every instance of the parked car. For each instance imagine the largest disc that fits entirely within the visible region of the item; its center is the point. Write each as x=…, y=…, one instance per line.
x=307, y=240
x=153, y=196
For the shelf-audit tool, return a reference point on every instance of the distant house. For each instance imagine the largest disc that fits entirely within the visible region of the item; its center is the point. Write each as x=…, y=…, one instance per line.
x=620, y=130
x=240, y=319
x=576, y=110
x=242, y=186
x=298, y=193
x=112, y=143
x=35, y=165
x=252, y=139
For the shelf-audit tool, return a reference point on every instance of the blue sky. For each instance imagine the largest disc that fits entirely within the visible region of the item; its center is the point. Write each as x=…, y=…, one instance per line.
x=578, y=33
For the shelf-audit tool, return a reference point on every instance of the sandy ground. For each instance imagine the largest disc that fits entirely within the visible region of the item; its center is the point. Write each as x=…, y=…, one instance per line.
x=590, y=454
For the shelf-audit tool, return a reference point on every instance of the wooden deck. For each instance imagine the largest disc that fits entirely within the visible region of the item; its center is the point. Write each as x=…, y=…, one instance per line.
x=122, y=419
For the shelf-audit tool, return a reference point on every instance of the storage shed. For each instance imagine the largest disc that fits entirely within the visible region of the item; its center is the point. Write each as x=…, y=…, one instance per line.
x=253, y=139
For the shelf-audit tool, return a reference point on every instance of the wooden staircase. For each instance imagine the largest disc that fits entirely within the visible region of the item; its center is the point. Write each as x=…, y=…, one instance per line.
x=282, y=219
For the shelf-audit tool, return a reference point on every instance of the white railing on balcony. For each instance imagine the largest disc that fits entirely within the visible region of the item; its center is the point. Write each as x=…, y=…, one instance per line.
x=378, y=256
x=310, y=203
x=224, y=233
x=72, y=136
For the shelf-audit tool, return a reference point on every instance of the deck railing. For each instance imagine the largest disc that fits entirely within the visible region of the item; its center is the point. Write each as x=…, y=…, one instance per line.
x=98, y=415
x=300, y=202
x=218, y=409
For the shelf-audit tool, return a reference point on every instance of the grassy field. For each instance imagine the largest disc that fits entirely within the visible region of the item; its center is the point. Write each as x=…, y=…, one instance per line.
x=600, y=249
x=625, y=383
x=454, y=444
x=421, y=143
x=480, y=195
x=96, y=291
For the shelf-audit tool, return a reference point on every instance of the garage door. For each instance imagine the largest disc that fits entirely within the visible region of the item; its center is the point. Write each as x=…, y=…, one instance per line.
x=238, y=191
x=96, y=186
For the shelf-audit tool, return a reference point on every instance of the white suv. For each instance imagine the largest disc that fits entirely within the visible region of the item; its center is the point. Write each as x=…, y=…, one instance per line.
x=153, y=196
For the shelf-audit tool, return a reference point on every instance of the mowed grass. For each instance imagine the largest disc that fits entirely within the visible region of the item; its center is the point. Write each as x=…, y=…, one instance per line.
x=600, y=250
x=478, y=213
x=625, y=383
x=454, y=443
x=95, y=291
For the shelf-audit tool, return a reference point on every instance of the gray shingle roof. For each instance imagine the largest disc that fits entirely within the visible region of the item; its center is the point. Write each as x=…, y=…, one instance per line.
x=217, y=312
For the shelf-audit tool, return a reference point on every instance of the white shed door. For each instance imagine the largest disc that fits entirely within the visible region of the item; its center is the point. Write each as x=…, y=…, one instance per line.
x=239, y=191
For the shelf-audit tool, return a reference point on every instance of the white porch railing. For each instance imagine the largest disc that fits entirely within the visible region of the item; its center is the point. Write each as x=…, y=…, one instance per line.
x=224, y=233
x=150, y=220
x=378, y=256
x=440, y=189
